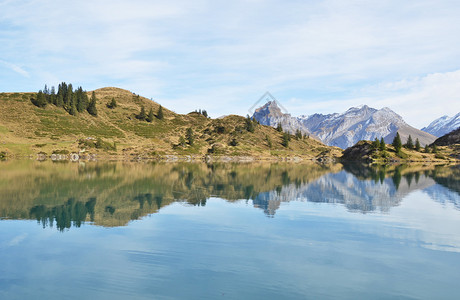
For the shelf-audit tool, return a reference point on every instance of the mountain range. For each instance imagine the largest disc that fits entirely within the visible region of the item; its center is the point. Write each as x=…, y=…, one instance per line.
x=443, y=125
x=344, y=129
x=45, y=125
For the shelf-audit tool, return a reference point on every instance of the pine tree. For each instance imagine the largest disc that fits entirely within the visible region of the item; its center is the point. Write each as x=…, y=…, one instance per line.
x=298, y=134
x=92, y=110
x=150, y=116
x=60, y=100
x=141, y=116
x=409, y=144
x=189, y=136
x=427, y=149
x=68, y=95
x=269, y=141
x=40, y=100
x=397, y=143
x=53, y=98
x=73, y=109
x=62, y=90
x=204, y=113
x=47, y=94
x=80, y=99
x=286, y=139
x=417, y=145
x=85, y=100
x=383, y=146
x=279, y=127
x=434, y=148
x=376, y=144
x=249, y=124
x=112, y=104
x=160, y=114
x=72, y=106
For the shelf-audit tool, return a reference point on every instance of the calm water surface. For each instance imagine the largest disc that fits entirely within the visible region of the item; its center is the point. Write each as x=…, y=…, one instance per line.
x=228, y=231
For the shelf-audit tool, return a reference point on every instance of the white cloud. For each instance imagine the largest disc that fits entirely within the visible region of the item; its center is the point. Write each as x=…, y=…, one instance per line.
x=420, y=100
x=15, y=68
x=319, y=52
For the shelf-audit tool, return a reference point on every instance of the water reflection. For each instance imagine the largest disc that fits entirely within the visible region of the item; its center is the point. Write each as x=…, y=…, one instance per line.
x=112, y=194
x=70, y=213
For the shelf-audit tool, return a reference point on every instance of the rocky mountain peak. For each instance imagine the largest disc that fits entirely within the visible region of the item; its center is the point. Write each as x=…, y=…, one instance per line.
x=344, y=129
x=443, y=125
x=269, y=108
x=270, y=114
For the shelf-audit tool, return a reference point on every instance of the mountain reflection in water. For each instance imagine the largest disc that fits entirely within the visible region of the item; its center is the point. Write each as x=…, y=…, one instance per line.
x=112, y=194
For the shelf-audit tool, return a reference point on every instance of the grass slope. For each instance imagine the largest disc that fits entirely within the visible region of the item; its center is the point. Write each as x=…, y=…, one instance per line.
x=26, y=129
x=363, y=151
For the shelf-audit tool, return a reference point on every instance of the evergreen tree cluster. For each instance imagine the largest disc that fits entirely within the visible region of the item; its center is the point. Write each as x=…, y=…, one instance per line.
x=286, y=139
x=279, y=128
x=250, y=124
x=298, y=134
x=188, y=139
x=379, y=148
x=202, y=112
x=379, y=144
x=150, y=116
x=73, y=101
x=409, y=143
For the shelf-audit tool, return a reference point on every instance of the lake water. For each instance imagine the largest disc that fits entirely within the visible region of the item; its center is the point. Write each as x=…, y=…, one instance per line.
x=228, y=231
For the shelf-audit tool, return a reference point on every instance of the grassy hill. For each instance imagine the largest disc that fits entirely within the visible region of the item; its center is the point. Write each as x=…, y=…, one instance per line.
x=26, y=129
x=365, y=152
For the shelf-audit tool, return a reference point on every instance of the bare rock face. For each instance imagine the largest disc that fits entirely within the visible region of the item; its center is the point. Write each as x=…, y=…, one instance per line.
x=345, y=129
x=362, y=123
x=270, y=114
x=443, y=125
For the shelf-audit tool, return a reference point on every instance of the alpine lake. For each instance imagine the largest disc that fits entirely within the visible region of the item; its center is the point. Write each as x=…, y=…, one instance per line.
x=144, y=230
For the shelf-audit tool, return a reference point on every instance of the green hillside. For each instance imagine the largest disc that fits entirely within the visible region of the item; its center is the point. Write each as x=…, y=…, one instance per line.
x=27, y=129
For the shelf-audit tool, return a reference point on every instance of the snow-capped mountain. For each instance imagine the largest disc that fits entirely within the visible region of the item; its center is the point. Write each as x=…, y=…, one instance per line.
x=443, y=125
x=270, y=114
x=345, y=129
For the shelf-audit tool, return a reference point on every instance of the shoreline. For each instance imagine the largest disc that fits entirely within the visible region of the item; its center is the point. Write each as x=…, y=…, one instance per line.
x=172, y=158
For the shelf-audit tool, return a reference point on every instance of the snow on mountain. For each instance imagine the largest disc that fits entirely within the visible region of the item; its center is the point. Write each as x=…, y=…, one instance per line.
x=443, y=125
x=270, y=114
x=345, y=129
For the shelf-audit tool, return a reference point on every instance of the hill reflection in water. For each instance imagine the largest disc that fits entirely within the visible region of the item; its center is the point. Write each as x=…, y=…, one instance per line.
x=112, y=194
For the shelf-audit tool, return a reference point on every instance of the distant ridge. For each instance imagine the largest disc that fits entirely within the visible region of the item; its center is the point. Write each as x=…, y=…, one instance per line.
x=345, y=129
x=443, y=125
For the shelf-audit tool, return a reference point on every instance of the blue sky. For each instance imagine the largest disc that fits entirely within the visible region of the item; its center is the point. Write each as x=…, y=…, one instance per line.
x=313, y=56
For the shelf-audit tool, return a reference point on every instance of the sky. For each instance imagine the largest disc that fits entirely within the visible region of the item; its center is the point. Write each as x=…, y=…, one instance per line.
x=222, y=56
